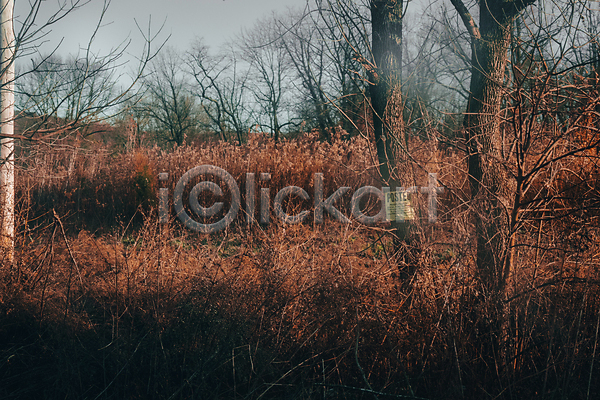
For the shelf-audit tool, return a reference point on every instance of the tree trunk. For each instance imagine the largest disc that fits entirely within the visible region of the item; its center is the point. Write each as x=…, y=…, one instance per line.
x=7, y=144
x=488, y=179
x=482, y=130
x=386, y=21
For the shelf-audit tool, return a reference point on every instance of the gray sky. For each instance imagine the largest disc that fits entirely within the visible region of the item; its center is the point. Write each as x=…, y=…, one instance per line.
x=214, y=20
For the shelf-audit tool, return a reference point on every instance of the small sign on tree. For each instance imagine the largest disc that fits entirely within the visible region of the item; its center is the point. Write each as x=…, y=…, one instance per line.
x=398, y=207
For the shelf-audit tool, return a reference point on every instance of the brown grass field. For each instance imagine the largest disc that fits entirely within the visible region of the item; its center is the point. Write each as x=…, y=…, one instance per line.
x=103, y=302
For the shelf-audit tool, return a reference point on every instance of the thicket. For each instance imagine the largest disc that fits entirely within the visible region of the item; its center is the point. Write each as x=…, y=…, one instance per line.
x=103, y=302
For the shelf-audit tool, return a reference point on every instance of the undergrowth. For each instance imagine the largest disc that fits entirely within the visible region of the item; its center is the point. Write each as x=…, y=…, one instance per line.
x=103, y=302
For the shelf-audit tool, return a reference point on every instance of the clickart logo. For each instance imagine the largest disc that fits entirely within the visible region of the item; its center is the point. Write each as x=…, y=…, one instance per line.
x=395, y=206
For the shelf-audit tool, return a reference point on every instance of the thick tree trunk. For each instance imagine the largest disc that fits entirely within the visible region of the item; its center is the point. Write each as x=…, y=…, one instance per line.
x=488, y=179
x=482, y=128
x=386, y=20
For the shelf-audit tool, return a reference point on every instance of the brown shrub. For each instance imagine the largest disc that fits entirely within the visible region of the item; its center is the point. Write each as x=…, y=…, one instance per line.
x=156, y=311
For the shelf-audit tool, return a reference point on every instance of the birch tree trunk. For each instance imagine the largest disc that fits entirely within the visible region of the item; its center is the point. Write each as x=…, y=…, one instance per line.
x=7, y=145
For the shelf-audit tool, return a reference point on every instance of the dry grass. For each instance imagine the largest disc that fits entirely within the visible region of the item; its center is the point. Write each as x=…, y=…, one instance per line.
x=118, y=306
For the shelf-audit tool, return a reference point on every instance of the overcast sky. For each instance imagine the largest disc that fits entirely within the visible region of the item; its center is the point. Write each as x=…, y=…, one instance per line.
x=216, y=21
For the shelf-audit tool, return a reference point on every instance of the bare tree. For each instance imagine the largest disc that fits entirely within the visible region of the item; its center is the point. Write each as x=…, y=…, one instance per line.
x=221, y=89
x=530, y=132
x=261, y=47
x=7, y=145
x=490, y=41
x=65, y=93
x=386, y=25
x=344, y=29
x=87, y=98
x=376, y=55
x=167, y=100
x=543, y=54
x=307, y=51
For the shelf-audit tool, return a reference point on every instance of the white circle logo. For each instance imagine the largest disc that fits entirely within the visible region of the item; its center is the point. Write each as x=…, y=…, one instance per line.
x=206, y=212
